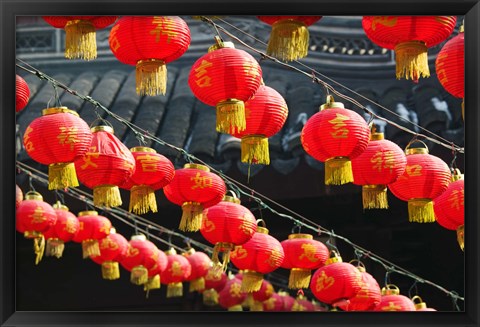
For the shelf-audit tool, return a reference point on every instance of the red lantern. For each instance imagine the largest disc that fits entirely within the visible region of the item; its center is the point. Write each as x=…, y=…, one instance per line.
x=113, y=249
x=274, y=303
x=33, y=218
x=260, y=255
x=265, y=113
x=194, y=188
x=18, y=196
x=153, y=171
x=409, y=37
x=149, y=43
x=56, y=139
x=106, y=165
x=420, y=305
x=380, y=164
x=92, y=228
x=335, y=135
x=425, y=178
x=302, y=303
x=22, y=93
x=65, y=228
x=258, y=297
x=392, y=300
x=155, y=271
x=177, y=271
x=288, y=300
x=140, y=258
x=289, y=39
x=231, y=296
x=226, y=77
x=214, y=283
x=302, y=255
x=200, y=263
x=80, y=36
x=450, y=65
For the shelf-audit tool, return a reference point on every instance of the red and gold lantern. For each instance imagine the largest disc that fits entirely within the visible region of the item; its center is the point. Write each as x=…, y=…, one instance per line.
x=231, y=296
x=18, y=196
x=22, y=93
x=274, y=303
x=289, y=39
x=214, y=283
x=226, y=77
x=410, y=37
x=177, y=271
x=200, y=263
x=113, y=249
x=256, y=299
x=149, y=43
x=335, y=135
x=65, y=228
x=450, y=65
x=302, y=303
x=56, y=139
x=420, y=305
x=194, y=188
x=141, y=256
x=392, y=300
x=92, y=228
x=80, y=33
x=155, y=271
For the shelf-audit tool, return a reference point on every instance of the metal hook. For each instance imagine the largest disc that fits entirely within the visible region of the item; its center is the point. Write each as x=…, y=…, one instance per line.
x=387, y=275
x=296, y=225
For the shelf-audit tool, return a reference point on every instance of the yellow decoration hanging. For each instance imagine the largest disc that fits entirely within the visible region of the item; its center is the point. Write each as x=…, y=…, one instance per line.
x=110, y=270
x=62, y=175
x=288, y=40
x=90, y=248
x=254, y=149
x=374, y=197
x=151, y=77
x=299, y=278
x=460, y=236
x=231, y=116
x=142, y=200
x=411, y=60
x=421, y=211
x=192, y=215
x=251, y=281
x=107, y=195
x=338, y=171
x=54, y=247
x=139, y=275
x=80, y=40
x=174, y=290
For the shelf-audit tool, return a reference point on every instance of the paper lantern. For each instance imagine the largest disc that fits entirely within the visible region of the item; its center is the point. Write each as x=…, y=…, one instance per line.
x=302, y=303
x=92, y=228
x=141, y=256
x=177, y=271
x=258, y=297
x=288, y=300
x=289, y=39
x=80, y=33
x=420, y=305
x=56, y=139
x=113, y=249
x=274, y=303
x=380, y=164
x=450, y=65
x=302, y=255
x=63, y=231
x=392, y=300
x=33, y=218
x=231, y=296
x=214, y=283
x=200, y=263
x=265, y=114
x=149, y=43
x=226, y=77
x=18, y=196
x=22, y=93
x=194, y=188
x=425, y=177
x=105, y=166
x=367, y=298
x=161, y=262
x=335, y=135
x=410, y=37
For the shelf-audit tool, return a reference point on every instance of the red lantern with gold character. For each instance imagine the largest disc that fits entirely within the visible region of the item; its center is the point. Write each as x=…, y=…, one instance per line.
x=18, y=196
x=65, y=228
x=410, y=37
x=141, y=256
x=56, y=139
x=231, y=296
x=200, y=263
x=154, y=272
x=194, y=188
x=226, y=77
x=258, y=297
x=335, y=135
x=289, y=39
x=22, y=93
x=214, y=283
x=450, y=65
x=425, y=177
x=420, y=305
x=273, y=304
x=113, y=249
x=149, y=43
x=177, y=271
x=392, y=300
x=92, y=228
x=80, y=33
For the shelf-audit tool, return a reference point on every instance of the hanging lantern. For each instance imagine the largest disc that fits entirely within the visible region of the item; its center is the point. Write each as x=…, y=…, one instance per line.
x=226, y=77
x=56, y=139
x=18, y=196
x=392, y=300
x=200, y=263
x=65, y=228
x=231, y=296
x=177, y=271
x=113, y=249
x=302, y=255
x=420, y=305
x=289, y=39
x=149, y=43
x=161, y=262
x=302, y=303
x=335, y=135
x=225, y=225
x=260, y=255
x=273, y=304
x=425, y=177
x=141, y=256
x=22, y=93
x=288, y=300
x=258, y=297
x=214, y=283
x=92, y=228
x=194, y=188
x=266, y=113
x=106, y=165
x=33, y=218
x=380, y=164
x=153, y=171
x=80, y=33
x=410, y=37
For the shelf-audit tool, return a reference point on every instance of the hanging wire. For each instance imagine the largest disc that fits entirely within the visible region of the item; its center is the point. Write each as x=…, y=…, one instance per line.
x=413, y=288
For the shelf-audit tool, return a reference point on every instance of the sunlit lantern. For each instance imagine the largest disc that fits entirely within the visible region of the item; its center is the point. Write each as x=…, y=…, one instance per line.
x=22, y=93
x=177, y=271
x=392, y=300
x=214, y=283
x=141, y=256
x=231, y=296
x=113, y=249
x=65, y=228
x=92, y=228
x=200, y=263
x=161, y=262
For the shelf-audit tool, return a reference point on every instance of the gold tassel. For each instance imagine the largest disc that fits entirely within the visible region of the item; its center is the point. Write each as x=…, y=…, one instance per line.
x=289, y=40
x=39, y=248
x=218, y=266
x=338, y=171
x=255, y=149
x=251, y=281
x=139, y=275
x=237, y=307
x=142, y=199
x=90, y=248
x=256, y=306
x=210, y=297
x=412, y=60
x=61, y=176
x=374, y=197
x=80, y=40
x=110, y=270
x=231, y=116
x=151, y=77
x=175, y=290
x=192, y=215
x=421, y=211
x=460, y=236
x=153, y=283
x=299, y=278
x=55, y=247
x=197, y=285
x=107, y=195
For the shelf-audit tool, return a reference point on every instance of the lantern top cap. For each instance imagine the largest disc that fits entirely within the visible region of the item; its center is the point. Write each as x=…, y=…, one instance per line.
x=142, y=149
x=196, y=166
x=58, y=110
x=262, y=230
x=228, y=198
x=420, y=304
x=220, y=44
x=331, y=104
x=457, y=175
x=461, y=29
x=409, y=150
x=32, y=195
x=60, y=206
x=113, y=230
x=390, y=289
x=138, y=237
x=102, y=128
x=171, y=251
x=300, y=235
x=88, y=213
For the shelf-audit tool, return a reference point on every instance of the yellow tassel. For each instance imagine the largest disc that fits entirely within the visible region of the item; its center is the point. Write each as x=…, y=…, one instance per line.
x=153, y=283
x=80, y=40
x=338, y=171
x=39, y=248
x=421, y=211
x=256, y=306
x=237, y=307
x=299, y=278
x=218, y=266
x=289, y=40
x=175, y=290
x=374, y=197
x=139, y=275
x=251, y=281
x=54, y=247
x=412, y=60
x=151, y=77
x=460, y=236
x=90, y=248
x=110, y=270
x=107, y=195
x=231, y=116
x=197, y=285
x=192, y=215
x=61, y=176
x=255, y=149
x=210, y=297
x=142, y=200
